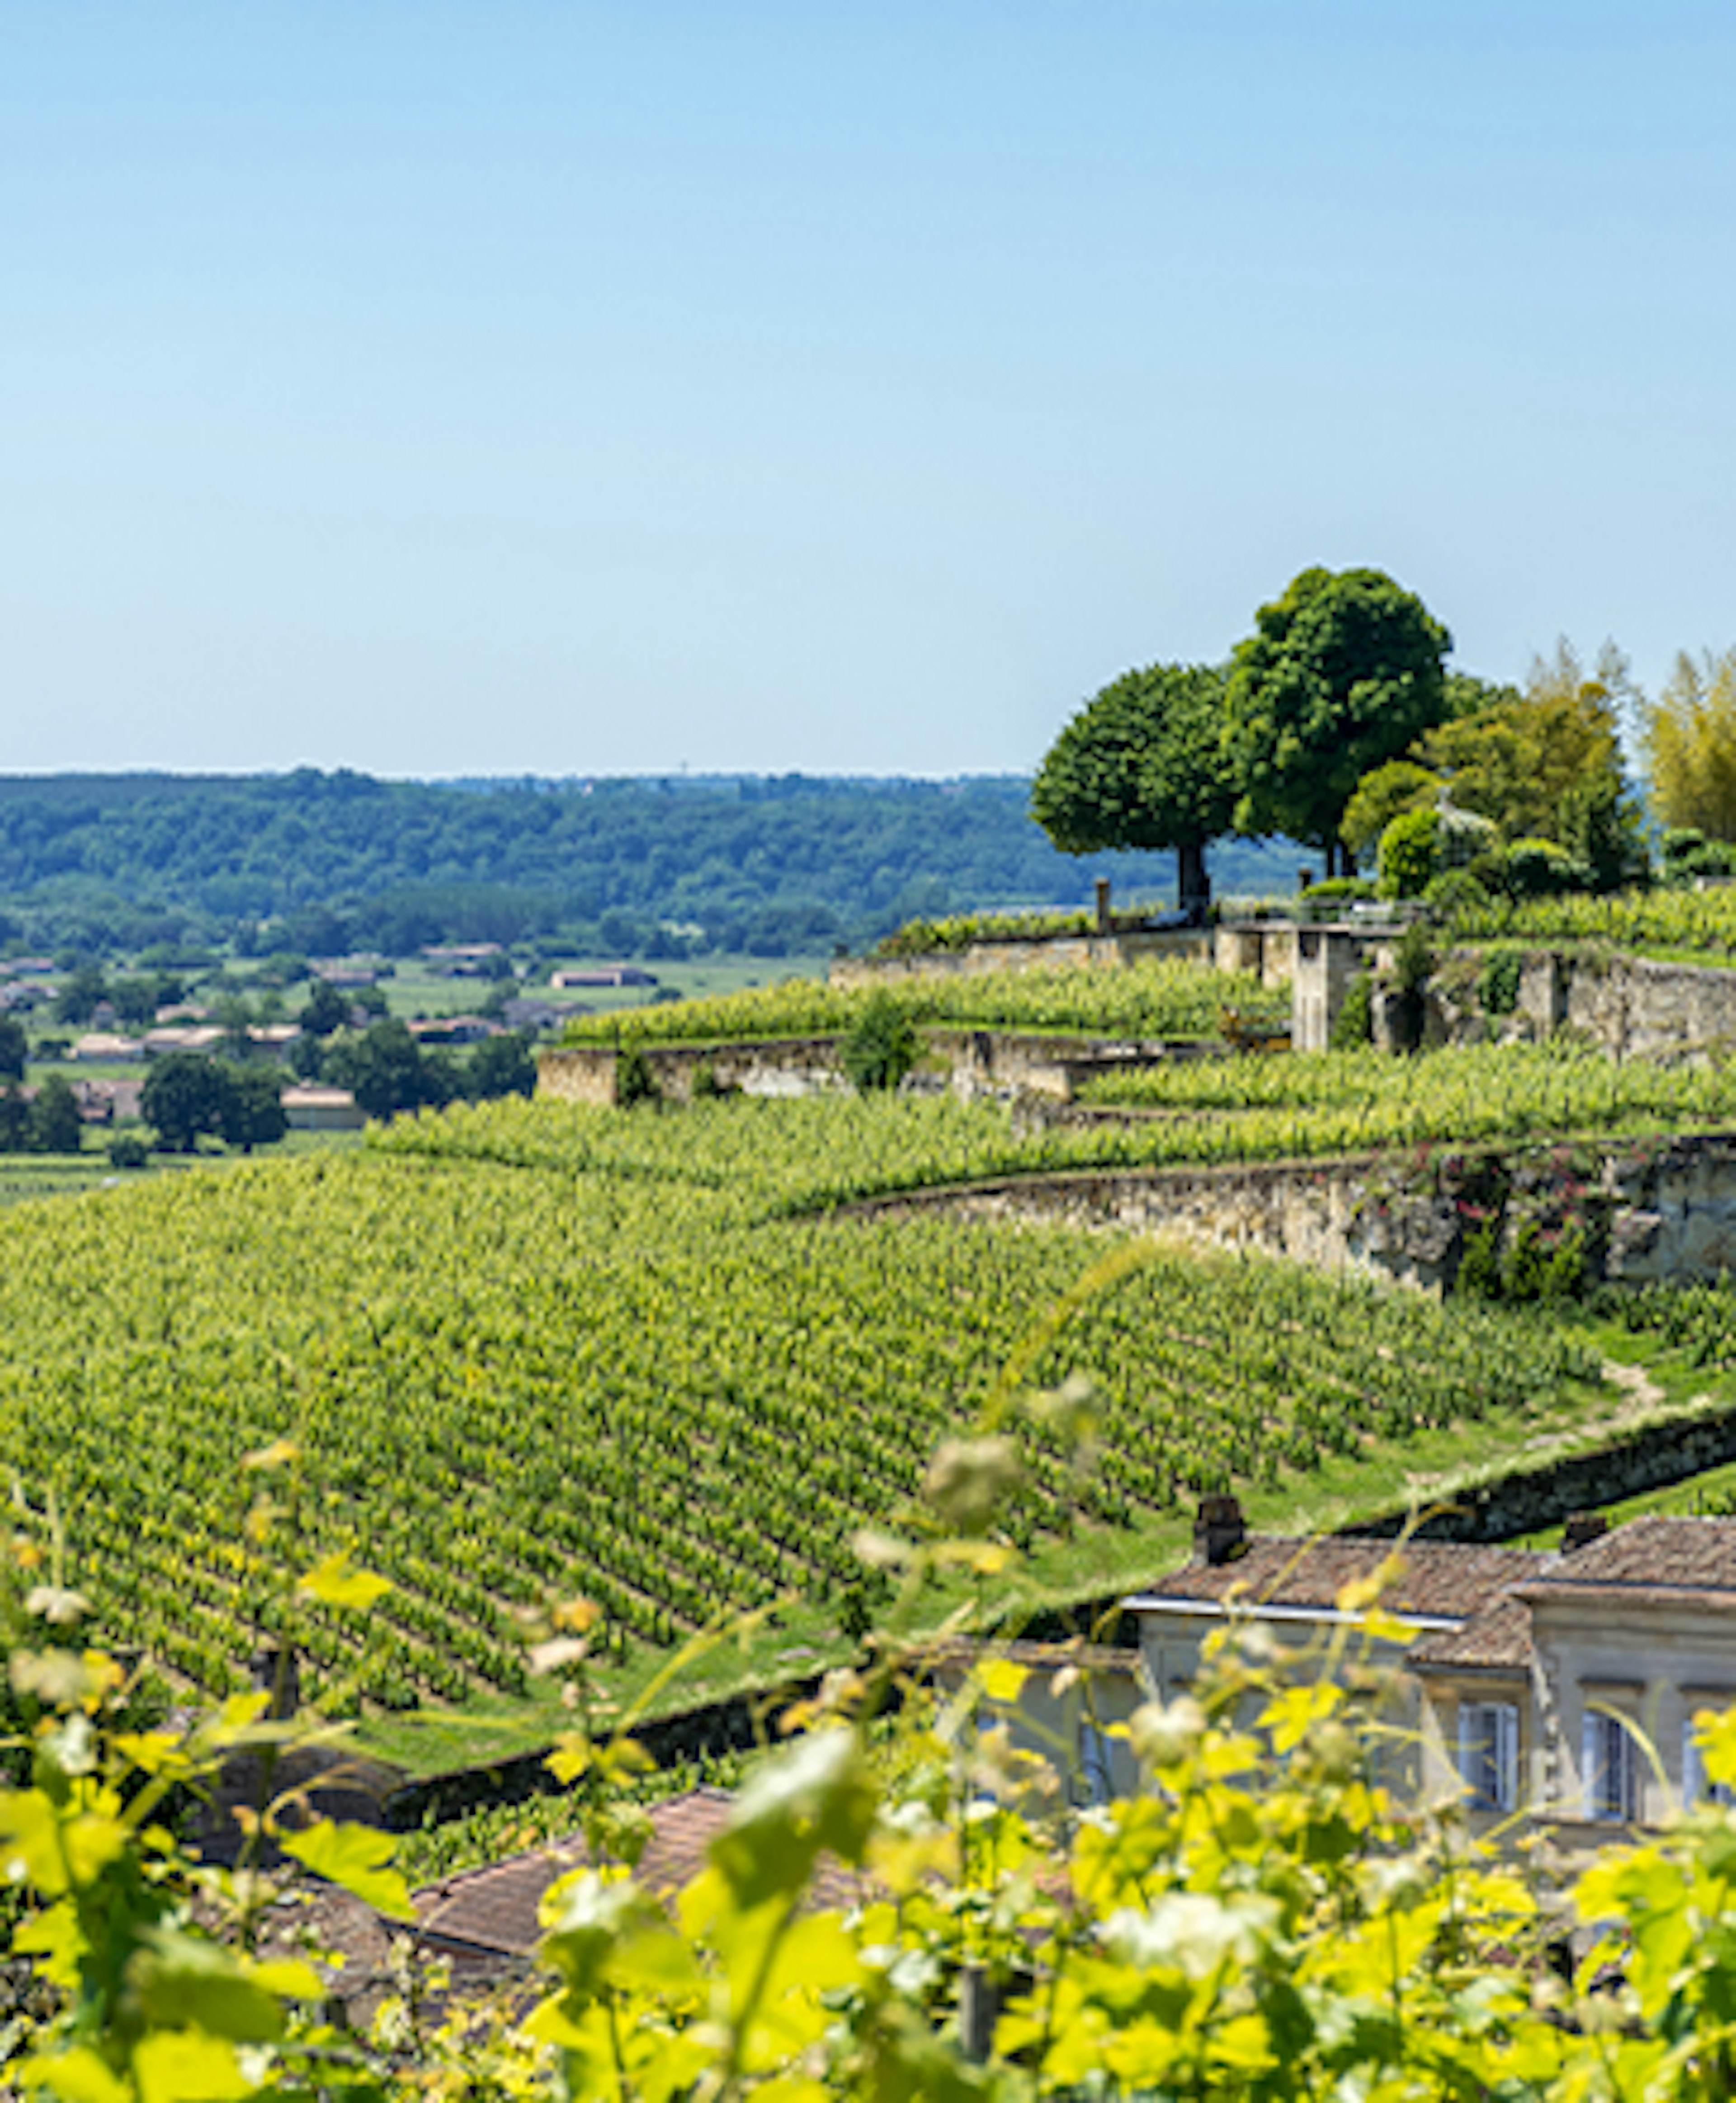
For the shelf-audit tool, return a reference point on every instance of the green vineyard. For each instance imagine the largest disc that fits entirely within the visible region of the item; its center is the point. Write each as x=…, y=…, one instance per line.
x=1699, y=924
x=1329, y=1102
x=1158, y=998
x=529, y=1350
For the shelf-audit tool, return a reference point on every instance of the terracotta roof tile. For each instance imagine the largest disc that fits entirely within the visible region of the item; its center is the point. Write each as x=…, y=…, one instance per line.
x=493, y=1910
x=1499, y=1639
x=1446, y=1580
x=1654, y=1557
x=494, y=1907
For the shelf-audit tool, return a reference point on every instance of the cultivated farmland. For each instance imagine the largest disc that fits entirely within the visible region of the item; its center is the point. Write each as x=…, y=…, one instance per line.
x=533, y=1350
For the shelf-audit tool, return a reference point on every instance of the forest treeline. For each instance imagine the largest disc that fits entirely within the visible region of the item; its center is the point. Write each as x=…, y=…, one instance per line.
x=326, y=863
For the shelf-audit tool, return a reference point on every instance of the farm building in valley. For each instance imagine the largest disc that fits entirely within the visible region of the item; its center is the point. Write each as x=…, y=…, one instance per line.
x=310, y=1108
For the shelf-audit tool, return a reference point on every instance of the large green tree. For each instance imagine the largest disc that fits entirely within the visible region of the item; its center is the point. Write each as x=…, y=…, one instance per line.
x=382, y=1067
x=183, y=1097
x=251, y=1111
x=1142, y=766
x=55, y=1126
x=1342, y=673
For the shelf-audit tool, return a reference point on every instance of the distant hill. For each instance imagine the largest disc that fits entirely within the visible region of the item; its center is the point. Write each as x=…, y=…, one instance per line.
x=325, y=862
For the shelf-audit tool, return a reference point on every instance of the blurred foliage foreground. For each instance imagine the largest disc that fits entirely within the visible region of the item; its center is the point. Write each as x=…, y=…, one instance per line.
x=1262, y=1921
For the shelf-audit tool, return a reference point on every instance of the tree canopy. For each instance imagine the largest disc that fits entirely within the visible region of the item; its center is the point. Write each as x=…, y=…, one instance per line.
x=183, y=1098
x=1342, y=673
x=1142, y=766
x=1521, y=759
x=1688, y=736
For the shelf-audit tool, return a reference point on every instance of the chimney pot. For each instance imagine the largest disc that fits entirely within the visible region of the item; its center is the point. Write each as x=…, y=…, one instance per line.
x=1582, y=1528
x=1220, y=1531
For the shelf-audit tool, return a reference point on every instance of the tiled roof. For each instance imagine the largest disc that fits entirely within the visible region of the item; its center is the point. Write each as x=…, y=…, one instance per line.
x=494, y=1907
x=493, y=1910
x=962, y=1653
x=1442, y=1580
x=1654, y=1556
x=1499, y=1639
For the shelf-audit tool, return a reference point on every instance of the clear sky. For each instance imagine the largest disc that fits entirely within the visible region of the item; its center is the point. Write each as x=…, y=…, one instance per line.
x=503, y=387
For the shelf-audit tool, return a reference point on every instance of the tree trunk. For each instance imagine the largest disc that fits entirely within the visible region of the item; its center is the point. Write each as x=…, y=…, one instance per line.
x=1193, y=885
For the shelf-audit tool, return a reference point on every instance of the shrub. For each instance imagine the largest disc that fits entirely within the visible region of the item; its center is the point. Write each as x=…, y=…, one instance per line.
x=1539, y=869
x=881, y=1048
x=634, y=1082
x=1414, y=964
x=129, y=1149
x=1354, y=1024
x=1350, y=887
x=1409, y=854
x=1502, y=970
x=1456, y=891
x=706, y=1086
x=1480, y=1265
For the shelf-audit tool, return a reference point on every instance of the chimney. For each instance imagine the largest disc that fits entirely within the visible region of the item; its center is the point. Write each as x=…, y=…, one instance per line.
x=1105, y=918
x=1582, y=1528
x=1219, y=1530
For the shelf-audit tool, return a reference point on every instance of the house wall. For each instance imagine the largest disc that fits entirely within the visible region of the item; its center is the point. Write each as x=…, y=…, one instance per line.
x=1043, y=1724
x=1655, y=1665
x=1441, y=1695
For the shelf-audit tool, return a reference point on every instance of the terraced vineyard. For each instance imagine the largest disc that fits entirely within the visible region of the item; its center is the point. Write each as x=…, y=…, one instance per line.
x=1699, y=924
x=1159, y=998
x=534, y=1349
x=1332, y=1102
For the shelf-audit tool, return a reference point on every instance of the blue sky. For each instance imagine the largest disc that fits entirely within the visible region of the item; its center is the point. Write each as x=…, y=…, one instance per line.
x=489, y=388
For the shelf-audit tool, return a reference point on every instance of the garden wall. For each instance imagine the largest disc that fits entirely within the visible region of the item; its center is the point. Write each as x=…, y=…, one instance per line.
x=1528, y=1499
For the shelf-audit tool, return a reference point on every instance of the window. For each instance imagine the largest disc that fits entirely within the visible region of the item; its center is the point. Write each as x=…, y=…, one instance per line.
x=1488, y=1754
x=1696, y=1788
x=1094, y=1764
x=1606, y=1765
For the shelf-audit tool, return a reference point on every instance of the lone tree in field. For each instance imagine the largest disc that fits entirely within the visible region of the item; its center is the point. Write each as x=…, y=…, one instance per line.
x=1342, y=673
x=1142, y=766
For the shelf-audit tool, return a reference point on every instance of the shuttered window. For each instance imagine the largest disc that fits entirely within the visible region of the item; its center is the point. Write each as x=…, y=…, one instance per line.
x=1696, y=1788
x=1488, y=1754
x=1608, y=1776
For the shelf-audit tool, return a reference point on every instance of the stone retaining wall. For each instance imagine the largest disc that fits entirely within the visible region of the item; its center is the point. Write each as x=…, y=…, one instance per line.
x=1628, y=1006
x=1037, y=953
x=969, y=1062
x=1662, y=1209
x=1529, y=1499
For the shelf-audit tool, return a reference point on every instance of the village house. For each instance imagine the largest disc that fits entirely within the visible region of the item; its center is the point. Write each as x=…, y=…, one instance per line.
x=603, y=975
x=454, y=1029
x=1564, y=1685
x=312, y=1108
x=102, y=1044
